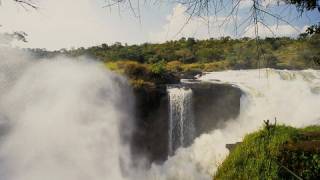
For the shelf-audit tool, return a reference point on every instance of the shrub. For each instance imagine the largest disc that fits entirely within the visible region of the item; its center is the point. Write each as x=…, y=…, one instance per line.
x=262, y=155
x=133, y=69
x=193, y=67
x=174, y=66
x=158, y=68
x=111, y=65
x=140, y=83
x=216, y=66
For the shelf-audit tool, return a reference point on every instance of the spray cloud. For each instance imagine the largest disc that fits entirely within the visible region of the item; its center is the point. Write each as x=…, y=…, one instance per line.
x=60, y=119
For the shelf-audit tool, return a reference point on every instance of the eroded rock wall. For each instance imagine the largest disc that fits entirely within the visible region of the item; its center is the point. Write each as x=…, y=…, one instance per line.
x=213, y=105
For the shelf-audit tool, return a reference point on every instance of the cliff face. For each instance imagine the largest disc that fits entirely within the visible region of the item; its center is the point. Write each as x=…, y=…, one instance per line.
x=213, y=104
x=150, y=138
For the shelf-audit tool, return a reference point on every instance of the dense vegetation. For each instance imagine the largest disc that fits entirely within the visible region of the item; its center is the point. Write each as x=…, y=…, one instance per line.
x=281, y=52
x=149, y=64
x=272, y=152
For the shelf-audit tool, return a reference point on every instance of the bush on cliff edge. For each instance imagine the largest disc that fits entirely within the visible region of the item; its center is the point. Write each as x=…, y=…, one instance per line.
x=265, y=155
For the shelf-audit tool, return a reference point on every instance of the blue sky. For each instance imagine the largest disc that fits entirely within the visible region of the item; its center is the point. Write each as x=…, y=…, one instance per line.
x=69, y=23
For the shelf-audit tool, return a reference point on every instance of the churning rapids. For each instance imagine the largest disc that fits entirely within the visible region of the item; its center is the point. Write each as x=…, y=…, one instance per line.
x=293, y=97
x=62, y=119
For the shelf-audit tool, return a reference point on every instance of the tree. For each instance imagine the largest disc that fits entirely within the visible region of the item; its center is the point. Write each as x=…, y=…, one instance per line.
x=210, y=54
x=185, y=55
x=26, y=4
x=190, y=42
x=314, y=29
x=304, y=5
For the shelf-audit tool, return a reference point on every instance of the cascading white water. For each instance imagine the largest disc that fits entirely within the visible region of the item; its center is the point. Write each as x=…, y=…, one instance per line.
x=293, y=97
x=181, y=122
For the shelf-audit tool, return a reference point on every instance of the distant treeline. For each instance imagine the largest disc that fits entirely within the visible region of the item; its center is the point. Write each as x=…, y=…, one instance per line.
x=245, y=53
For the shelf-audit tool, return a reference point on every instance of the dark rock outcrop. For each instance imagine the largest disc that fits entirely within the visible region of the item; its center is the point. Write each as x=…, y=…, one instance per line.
x=150, y=138
x=213, y=105
x=189, y=74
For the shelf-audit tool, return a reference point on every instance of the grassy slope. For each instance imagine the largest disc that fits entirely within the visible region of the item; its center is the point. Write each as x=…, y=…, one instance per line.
x=260, y=153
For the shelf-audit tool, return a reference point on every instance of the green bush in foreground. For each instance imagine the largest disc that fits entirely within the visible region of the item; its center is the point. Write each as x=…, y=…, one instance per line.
x=264, y=154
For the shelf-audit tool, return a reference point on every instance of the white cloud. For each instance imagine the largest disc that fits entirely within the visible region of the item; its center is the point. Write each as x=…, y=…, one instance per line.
x=265, y=3
x=55, y=24
x=219, y=26
x=273, y=30
x=245, y=4
x=67, y=23
x=178, y=26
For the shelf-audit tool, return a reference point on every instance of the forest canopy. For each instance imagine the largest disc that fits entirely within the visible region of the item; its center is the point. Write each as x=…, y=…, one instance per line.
x=222, y=53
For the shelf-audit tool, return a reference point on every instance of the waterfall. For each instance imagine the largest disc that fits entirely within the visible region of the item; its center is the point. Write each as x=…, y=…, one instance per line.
x=293, y=97
x=181, y=127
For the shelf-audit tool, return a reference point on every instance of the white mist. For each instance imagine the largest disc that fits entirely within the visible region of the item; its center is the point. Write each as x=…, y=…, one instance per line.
x=63, y=118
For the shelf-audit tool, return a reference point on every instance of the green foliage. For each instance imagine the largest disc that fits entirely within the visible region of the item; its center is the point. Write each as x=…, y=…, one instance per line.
x=217, y=66
x=314, y=29
x=305, y=164
x=158, y=67
x=133, y=69
x=149, y=65
x=174, y=66
x=143, y=75
x=311, y=128
x=304, y=5
x=210, y=54
x=185, y=55
x=140, y=83
x=261, y=155
x=136, y=72
x=282, y=52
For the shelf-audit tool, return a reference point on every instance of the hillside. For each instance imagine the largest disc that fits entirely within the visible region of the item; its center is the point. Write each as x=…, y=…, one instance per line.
x=276, y=152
